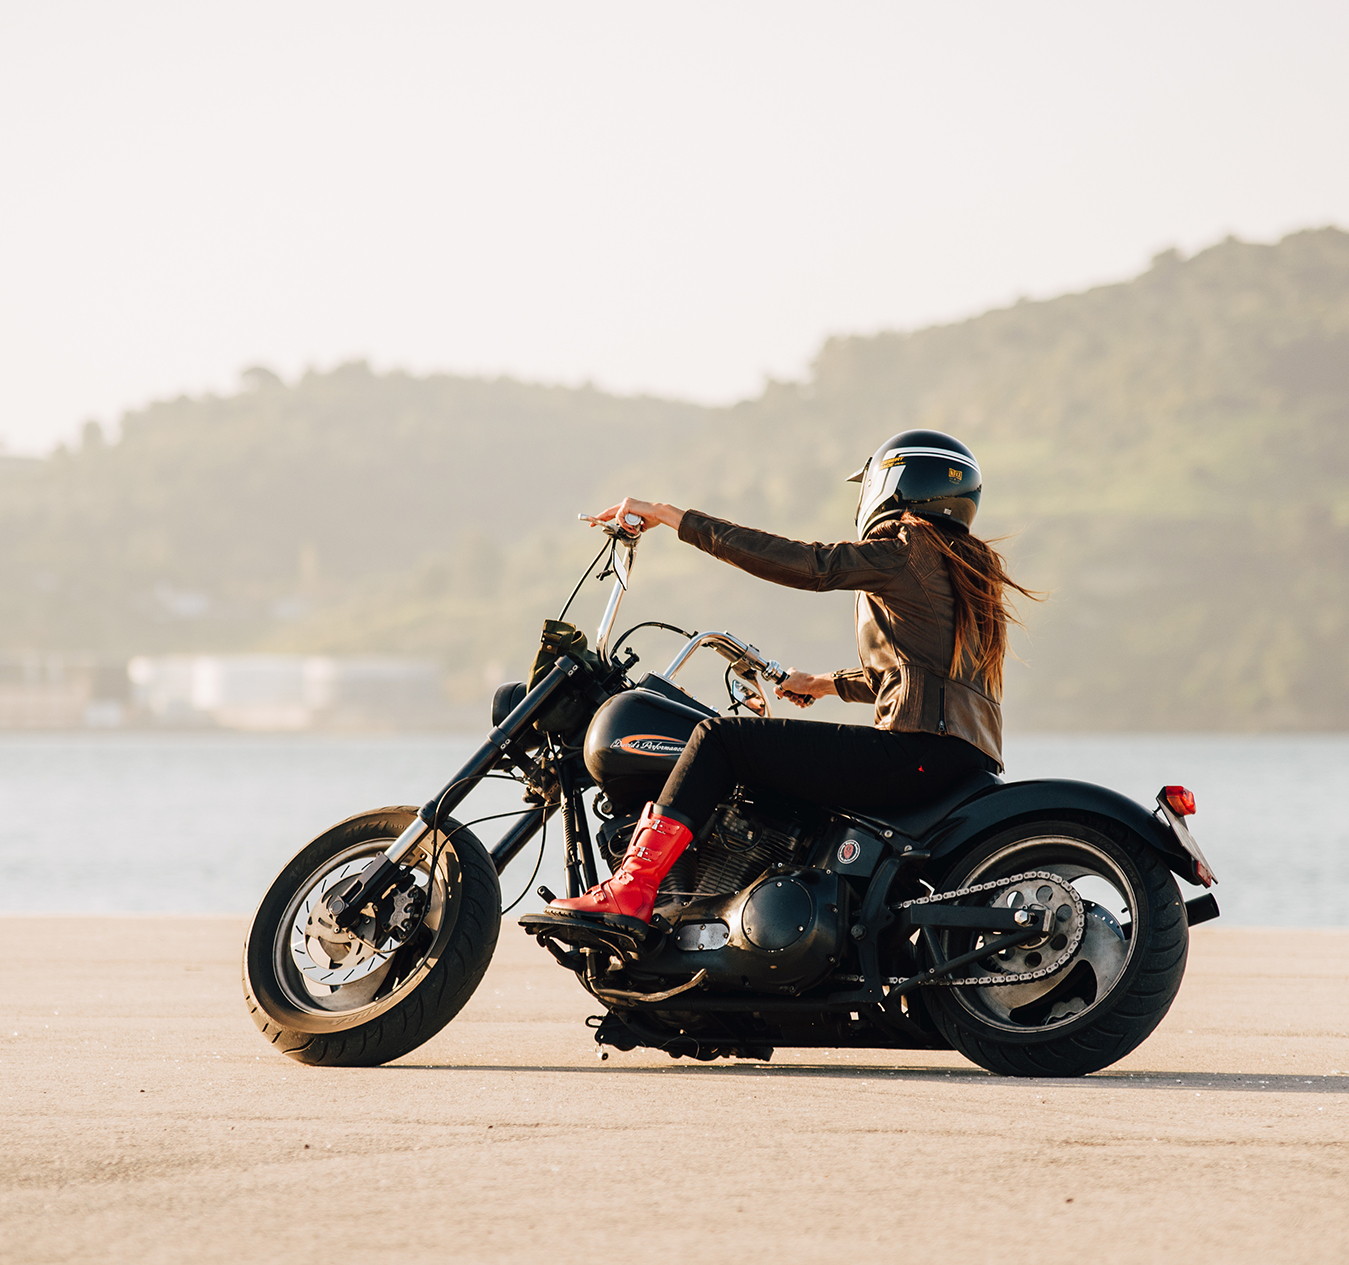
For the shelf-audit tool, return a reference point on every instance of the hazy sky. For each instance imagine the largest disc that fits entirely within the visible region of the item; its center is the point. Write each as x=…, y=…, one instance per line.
x=680, y=198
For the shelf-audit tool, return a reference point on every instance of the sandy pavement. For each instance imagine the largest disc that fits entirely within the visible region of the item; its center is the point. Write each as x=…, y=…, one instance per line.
x=146, y=1120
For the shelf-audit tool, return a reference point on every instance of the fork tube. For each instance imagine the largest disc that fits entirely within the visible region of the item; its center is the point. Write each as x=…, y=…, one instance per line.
x=485, y=759
x=509, y=845
x=375, y=877
x=481, y=763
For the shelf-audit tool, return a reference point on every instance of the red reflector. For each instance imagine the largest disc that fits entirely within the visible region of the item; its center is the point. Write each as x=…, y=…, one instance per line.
x=1180, y=801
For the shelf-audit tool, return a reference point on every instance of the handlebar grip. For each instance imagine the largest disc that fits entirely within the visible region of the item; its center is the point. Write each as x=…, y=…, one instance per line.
x=629, y=529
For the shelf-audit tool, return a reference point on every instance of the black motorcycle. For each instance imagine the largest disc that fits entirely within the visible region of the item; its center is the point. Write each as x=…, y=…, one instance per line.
x=1033, y=926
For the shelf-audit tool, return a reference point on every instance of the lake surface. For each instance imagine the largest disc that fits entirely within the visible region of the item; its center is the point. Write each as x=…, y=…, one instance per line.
x=200, y=823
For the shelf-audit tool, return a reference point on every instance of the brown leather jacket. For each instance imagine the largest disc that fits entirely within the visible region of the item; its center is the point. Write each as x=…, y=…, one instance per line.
x=905, y=623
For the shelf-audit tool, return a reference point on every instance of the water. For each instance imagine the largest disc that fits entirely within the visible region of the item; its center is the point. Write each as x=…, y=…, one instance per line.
x=200, y=823
x=1271, y=817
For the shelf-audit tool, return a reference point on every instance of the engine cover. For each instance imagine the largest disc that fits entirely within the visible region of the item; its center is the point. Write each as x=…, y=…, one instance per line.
x=777, y=914
x=780, y=935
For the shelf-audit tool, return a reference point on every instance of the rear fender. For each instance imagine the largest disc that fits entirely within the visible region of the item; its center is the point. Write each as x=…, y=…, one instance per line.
x=1010, y=803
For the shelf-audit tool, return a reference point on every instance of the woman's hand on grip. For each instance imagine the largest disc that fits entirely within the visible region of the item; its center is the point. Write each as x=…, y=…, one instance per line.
x=803, y=688
x=652, y=513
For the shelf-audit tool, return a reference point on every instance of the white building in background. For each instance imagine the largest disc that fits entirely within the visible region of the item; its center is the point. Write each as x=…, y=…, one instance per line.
x=285, y=692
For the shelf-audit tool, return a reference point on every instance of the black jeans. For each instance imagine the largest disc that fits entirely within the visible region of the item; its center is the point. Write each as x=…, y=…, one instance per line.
x=850, y=766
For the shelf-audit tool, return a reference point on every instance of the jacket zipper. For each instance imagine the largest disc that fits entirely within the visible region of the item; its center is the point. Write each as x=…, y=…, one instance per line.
x=941, y=709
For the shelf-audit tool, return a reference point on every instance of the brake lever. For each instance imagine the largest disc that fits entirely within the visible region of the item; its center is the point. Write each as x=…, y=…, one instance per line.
x=629, y=529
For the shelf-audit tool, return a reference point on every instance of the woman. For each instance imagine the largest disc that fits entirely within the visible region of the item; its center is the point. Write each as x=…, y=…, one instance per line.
x=931, y=636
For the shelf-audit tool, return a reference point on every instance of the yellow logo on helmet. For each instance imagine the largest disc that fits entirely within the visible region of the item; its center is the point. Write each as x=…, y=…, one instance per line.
x=892, y=461
x=955, y=475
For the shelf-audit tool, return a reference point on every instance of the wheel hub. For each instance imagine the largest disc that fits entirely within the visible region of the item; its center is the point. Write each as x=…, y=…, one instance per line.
x=331, y=956
x=1036, y=895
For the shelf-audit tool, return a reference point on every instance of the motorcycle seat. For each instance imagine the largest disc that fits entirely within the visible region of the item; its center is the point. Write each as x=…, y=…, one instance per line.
x=917, y=820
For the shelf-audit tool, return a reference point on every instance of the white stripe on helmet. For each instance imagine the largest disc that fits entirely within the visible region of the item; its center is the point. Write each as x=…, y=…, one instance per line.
x=944, y=453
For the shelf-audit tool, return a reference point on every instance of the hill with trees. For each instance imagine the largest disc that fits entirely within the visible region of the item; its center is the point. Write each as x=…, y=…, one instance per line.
x=1170, y=455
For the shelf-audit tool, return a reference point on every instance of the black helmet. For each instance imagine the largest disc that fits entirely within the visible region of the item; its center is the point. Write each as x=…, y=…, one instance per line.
x=924, y=472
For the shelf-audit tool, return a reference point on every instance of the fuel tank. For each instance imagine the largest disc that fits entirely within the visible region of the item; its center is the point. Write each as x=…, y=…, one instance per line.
x=635, y=738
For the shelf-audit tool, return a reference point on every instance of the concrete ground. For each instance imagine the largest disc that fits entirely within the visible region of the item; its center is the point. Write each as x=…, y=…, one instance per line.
x=146, y=1120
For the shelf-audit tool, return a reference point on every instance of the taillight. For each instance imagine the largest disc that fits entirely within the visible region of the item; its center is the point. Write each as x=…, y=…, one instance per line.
x=1179, y=800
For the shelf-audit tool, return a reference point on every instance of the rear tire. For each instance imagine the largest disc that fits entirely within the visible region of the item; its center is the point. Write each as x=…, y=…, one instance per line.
x=1121, y=980
x=387, y=1004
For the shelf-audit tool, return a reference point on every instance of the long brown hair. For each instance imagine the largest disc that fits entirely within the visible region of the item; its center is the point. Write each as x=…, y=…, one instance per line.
x=979, y=583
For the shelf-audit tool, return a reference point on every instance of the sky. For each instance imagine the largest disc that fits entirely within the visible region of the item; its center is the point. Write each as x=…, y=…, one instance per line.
x=683, y=199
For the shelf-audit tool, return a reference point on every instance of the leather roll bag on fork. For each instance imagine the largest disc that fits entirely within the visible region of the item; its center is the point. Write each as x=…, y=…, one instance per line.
x=1118, y=985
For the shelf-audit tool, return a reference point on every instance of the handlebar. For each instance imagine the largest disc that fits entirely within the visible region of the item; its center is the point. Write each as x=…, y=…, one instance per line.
x=745, y=659
x=741, y=655
x=625, y=534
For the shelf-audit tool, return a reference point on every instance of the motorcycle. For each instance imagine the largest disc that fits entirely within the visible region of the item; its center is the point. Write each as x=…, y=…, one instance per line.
x=1036, y=927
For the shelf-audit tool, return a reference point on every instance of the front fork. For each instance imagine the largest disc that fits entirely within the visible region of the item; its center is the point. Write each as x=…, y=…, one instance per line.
x=375, y=880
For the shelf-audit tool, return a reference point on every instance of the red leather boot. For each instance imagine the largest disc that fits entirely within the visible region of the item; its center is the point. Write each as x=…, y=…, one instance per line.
x=656, y=844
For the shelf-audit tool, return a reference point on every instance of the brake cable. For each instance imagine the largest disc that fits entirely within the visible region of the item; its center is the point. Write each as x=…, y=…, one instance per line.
x=647, y=623
x=585, y=575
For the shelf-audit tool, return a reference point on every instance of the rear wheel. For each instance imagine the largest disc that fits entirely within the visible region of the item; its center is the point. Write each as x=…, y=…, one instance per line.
x=358, y=1002
x=1118, y=984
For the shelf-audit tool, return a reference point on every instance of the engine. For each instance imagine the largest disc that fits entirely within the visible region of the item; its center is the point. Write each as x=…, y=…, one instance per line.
x=736, y=846
x=743, y=905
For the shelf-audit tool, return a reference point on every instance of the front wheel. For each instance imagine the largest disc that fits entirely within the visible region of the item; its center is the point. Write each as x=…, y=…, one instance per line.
x=1117, y=986
x=362, y=1002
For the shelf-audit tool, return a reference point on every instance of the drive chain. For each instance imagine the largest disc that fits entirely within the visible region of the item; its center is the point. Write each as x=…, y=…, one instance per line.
x=1011, y=977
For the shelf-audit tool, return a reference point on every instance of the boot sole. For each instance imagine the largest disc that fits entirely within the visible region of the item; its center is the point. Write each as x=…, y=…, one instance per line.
x=612, y=931
x=619, y=922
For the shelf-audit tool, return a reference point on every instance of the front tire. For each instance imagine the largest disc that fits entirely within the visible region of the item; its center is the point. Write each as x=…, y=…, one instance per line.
x=375, y=1006
x=1121, y=980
